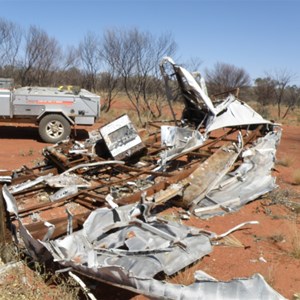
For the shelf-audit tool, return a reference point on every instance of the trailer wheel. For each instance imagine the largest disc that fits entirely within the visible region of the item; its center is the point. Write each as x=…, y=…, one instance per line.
x=54, y=128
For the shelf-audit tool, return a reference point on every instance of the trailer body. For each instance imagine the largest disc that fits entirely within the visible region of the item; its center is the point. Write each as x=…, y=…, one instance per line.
x=55, y=110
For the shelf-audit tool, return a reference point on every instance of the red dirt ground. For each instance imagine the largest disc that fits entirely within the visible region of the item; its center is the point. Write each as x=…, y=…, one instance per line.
x=268, y=247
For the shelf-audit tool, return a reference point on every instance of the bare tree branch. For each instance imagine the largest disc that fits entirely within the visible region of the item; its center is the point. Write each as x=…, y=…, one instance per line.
x=89, y=51
x=282, y=78
x=135, y=56
x=42, y=56
x=10, y=41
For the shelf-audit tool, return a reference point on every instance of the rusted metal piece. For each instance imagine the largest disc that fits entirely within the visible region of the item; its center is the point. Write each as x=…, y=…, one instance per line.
x=156, y=188
x=57, y=154
x=38, y=230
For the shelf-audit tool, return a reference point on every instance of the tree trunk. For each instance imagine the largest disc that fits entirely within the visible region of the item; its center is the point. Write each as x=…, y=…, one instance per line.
x=286, y=112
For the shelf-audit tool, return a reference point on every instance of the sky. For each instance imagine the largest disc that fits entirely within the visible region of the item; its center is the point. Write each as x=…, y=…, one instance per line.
x=261, y=36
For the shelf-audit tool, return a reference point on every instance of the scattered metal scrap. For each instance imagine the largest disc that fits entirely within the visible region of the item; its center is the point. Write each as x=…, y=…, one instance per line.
x=128, y=248
x=91, y=205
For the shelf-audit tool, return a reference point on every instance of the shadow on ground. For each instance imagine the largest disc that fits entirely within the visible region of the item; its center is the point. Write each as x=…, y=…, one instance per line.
x=31, y=133
x=108, y=292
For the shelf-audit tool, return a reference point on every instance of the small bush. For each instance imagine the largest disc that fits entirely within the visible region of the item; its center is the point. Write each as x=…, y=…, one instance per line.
x=264, y=112
x=295, y=242
x=277, y=238
x=283, y=196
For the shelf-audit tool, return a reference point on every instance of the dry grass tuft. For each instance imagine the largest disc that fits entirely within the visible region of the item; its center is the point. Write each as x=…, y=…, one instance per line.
x=296, y=296
x=20, y=282
x=283, y=196
x=277, y=238
x=231, y=241
x=296, y=177
x=295, y=241
x=285, y=162
x=270, y=276
x=172, y=217
x=185, y=276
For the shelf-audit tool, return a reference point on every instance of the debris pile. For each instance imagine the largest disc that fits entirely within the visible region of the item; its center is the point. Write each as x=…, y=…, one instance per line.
x=92, y=206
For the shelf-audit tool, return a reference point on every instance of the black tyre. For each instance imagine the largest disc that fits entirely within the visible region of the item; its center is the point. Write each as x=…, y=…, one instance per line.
x=54, y=128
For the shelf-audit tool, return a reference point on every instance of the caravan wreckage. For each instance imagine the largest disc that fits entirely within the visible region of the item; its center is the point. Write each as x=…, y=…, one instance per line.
x=92, y=206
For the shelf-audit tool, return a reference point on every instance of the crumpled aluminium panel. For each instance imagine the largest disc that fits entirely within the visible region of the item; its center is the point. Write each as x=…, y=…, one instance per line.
x=98, y=251
x=230, y=112
x=180, y=140
x=252, y=288
x=190, y=82
x=236, y=113
x=249, y=181
x=113, y=238
x=116, y=248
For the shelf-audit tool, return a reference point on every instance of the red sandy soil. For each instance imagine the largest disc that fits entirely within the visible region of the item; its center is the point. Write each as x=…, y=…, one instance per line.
x=268, y=247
